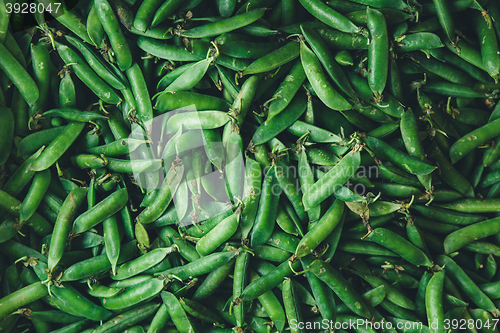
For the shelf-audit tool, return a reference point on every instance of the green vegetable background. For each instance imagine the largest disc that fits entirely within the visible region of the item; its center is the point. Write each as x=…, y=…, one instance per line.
x=220, y=166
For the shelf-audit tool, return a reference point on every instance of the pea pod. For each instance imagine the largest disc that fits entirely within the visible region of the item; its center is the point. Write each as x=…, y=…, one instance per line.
x=177, y=313
x=378, y=52
x=218, y=235
x=134, y=295
x=273, y=60
x=326, y=93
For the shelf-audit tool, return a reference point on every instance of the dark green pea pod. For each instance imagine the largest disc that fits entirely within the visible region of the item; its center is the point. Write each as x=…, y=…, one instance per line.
x=306, y=178
x=102, y=210
x=464, y=282
x=251, y=195
x=117, y=148
x=281, y=121
x=340, y=286
x=98, y=290
x=314, y=72
x=287, y=179
x=57, y=147
x=84, y=161
x=332, y=180
x=268, y=207
x=273, y=60
x=234, y=168
x=127, y=319
x=457, y=239
x=94, y=27
x=321, y=230
x=320, y=48
x=213, y=281
x=134, y=295
x=449, y=174
x=408, y=163
x=418, y=41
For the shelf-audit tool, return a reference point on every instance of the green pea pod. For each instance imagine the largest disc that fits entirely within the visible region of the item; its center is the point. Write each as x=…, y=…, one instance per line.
x=273, y=60
x=286, y=91
x=191, y=76
x=218, y=235
x=327, y=60
x=75, y=115
x=419, y=40
x=449, y=174
x=127, y=319
x=142, y=263
x=22, y=297
x=134, y=295
x=314, y=134
x=340, y=287
x=141, y=93
x=408, y=163
x=94, y=27
x=87, y=75
x=98, y=264
x=464, y=282
x=329, y=16
x=115, y=34
x=378, y=52
x=320, y=230
x=326, y=93
x=213, y=281
x=331, y=181
x=268, y=207
x=19, y=76
x=36, y=222
x=97, y=63
x=457, y=239
x=225, y=25
x=282, y=121
x=197, y=120
x=160, y=203
x=63, y=225
x=445, y=17
x=399, y=245
x=161, y=50
x=35, y=195
x=104, y=209
x=6, y=133
x=134, y=166
x=177, y=313
x=41, y=70
x=117, y=148
x=488, y=205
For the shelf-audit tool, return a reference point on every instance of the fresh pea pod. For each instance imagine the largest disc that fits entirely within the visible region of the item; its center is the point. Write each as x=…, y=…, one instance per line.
x=326, y=93
x=225, y=25
x=273, y=60
x=113, y=30
x=134, y=295
x=104, y=209
x=218, y=235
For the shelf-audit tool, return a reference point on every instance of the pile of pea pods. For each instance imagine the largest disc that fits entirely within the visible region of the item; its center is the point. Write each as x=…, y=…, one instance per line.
x=250, y=166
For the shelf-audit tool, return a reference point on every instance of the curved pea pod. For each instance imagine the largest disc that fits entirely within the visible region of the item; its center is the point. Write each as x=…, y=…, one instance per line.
x=340, y=287
x=36, y=222
x=141, y=264
x=200, y=266
x=321, y=230
x=267, y=282
x=225, y=25
x=332, y=180
x=464, y=282
x=218, y=235
x=165, y=195
x=117, y=148
x=186, y=250
x=94, y=27
x=133, y=166
x=127, y=319
x=161, y=50
x=98, y=290
x=251, y=195
x=113, y=30
x=474, y=139
x=18, y=75
x=408, y=163
x=316, y=77
x=418, y=41
x=273, y=60
x=177, y=313
x=378, y=52
x=141, y=93
x=267, y=131
x=268, y=207
x=401, y=246
x=434, y=301
x=21, y=297
x=87, y=75
x=489, y=44
x=169, y=101
x=134, y=295
x=329, y=16
x=449, y=174
x=191, y=76
x=98, y=264
x=488, y=205
x=287, y=179
x=460, y=238
x=213, y=281
x=286, y=91
x=63, y=224
x=452, y=89
x=104, y=209
x=74, y=115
